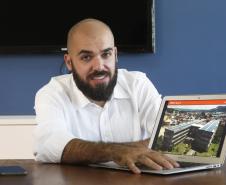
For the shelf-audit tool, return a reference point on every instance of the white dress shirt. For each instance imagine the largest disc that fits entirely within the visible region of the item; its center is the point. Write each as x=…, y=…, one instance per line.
x=64, y=113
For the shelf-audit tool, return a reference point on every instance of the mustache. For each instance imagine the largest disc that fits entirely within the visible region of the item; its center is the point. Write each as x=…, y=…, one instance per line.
x=98, y=73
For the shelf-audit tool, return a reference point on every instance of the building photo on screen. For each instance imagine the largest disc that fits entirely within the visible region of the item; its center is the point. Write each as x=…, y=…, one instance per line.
x=193, y=128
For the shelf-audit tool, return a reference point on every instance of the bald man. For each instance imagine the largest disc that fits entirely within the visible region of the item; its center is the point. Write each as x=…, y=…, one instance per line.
x=97, y=113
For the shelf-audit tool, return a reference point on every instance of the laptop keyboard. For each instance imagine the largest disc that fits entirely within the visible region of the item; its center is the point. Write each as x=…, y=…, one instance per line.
x=189, y=164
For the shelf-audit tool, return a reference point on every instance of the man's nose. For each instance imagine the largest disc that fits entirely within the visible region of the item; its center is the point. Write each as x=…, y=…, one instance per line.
x=98, y=64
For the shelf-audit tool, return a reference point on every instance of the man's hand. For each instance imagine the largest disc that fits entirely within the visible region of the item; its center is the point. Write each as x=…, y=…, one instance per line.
x=138, y=154
x=129, y=154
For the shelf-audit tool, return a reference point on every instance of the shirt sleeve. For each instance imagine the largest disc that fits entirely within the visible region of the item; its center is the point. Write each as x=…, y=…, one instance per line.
x=149, y=101
x=52, y=132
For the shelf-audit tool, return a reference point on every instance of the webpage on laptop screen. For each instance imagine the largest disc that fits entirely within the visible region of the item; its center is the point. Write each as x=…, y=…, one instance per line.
x=192, y=127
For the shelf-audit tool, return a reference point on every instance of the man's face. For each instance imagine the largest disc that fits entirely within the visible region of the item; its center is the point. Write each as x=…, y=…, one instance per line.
x=101, y=91
x=93, y=64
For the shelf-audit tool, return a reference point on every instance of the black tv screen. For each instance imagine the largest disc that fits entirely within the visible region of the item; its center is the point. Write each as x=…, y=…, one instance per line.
x=42, y=26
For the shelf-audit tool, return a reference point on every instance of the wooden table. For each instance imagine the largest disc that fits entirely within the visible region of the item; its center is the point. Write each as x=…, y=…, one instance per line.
x=56, y=174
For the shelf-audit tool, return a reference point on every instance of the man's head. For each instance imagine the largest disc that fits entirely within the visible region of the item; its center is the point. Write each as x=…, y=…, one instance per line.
x=92, y=58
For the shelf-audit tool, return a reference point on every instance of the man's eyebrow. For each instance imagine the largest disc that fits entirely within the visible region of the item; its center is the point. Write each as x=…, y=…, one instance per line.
x=106, y=50
x=85, y=52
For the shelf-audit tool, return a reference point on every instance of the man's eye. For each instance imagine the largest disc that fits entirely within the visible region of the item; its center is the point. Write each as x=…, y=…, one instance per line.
x=106, y=55
x=86, y=58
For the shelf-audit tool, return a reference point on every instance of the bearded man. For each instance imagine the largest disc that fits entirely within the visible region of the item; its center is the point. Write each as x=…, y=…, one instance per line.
x=97, y=113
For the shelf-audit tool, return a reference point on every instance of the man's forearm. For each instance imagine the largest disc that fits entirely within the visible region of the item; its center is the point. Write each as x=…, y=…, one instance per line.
x=80, y=151
x=84, y=152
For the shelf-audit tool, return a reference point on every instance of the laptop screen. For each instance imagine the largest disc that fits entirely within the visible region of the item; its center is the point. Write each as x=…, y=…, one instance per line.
x=192, y=127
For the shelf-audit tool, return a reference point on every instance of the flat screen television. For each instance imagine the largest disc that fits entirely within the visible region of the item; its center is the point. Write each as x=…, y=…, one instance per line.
x=42, y=26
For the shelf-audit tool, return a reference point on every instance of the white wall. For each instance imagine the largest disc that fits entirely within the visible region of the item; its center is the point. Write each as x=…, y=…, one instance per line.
x=16, y=137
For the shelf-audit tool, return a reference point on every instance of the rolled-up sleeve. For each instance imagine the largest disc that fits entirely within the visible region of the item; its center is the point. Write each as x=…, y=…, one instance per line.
x=52, y=132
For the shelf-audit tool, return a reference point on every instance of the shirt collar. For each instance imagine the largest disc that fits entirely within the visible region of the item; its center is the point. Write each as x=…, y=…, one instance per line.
x=78, y=98
x=119, y=92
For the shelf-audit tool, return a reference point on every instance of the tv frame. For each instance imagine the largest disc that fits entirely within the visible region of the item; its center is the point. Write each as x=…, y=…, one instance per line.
x=50, y=49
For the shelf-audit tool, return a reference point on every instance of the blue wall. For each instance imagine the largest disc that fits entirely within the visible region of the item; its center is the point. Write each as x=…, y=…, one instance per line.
x=190, y=57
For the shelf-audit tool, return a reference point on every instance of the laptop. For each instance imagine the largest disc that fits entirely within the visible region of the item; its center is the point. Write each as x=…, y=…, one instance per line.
x=190, y=129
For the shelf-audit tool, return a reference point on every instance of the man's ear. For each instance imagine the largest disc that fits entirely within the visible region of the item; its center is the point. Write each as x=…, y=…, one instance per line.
x=68, y=62
x=116, y=55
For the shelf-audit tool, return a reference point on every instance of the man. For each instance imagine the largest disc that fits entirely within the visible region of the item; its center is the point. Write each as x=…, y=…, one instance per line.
x=98, y=113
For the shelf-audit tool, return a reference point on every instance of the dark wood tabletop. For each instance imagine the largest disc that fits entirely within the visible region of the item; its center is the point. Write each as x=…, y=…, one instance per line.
x=58, y=174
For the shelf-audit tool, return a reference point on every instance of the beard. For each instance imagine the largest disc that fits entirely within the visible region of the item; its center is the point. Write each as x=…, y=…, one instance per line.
x=101, y=92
